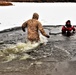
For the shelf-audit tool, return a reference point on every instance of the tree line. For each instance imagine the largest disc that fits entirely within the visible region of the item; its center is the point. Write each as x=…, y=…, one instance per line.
x=40, y=0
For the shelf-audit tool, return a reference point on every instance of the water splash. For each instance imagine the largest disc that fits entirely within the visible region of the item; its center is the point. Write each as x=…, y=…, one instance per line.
x=19, y=50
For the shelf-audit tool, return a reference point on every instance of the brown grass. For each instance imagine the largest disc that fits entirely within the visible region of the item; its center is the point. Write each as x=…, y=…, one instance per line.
x=5, y=3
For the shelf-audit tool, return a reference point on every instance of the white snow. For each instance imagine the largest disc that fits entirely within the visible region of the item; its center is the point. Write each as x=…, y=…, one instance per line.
x=50, y=13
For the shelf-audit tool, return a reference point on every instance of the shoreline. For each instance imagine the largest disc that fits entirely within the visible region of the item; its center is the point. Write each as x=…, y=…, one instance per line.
x=19, y=27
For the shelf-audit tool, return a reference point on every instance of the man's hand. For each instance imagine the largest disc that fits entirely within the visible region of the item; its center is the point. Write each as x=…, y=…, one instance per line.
x=23, y=29
x=48, y=36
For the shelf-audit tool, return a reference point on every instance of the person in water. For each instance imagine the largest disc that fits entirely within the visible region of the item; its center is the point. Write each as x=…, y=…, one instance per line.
x=68, y=27
x=33, y=25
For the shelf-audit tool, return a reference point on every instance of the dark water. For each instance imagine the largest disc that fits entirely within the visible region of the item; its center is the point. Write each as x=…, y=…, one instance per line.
x=57, y=57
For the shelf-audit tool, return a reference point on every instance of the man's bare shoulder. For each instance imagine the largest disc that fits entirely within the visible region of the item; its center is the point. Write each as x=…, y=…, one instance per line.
x=29, y=20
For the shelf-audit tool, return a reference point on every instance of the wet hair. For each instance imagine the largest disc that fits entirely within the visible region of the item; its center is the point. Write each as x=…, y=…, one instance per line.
x=35, y=16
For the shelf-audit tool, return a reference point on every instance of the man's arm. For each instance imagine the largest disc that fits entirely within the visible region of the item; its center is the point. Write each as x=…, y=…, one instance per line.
x=40, y=27
x=24, y=25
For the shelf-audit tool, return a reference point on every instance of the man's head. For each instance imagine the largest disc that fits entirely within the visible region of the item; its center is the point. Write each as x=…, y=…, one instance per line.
x=35, y=16
x=68, y=22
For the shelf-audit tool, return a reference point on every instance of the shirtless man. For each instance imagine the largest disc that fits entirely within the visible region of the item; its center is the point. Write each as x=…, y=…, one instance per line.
x=33, y=25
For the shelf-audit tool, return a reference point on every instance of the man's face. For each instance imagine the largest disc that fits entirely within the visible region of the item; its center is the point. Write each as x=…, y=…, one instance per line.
x=68, y=23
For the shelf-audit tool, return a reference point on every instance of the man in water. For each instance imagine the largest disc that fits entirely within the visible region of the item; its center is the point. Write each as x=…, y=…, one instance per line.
x=33, y=25
x=68, y=27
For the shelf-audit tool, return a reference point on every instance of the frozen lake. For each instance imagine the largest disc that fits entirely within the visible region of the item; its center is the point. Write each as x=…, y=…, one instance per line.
x=57, y=57
x=50, y=13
